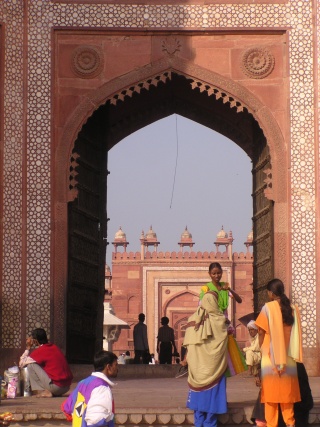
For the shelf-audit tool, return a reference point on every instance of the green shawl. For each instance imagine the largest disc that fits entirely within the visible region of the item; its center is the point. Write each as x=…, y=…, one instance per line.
x=223, y=295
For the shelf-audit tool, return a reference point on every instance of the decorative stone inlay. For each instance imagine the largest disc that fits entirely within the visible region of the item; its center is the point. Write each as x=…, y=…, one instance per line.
x=13, y=235
x=87, y=61
x=257, y=63
x=171, y=45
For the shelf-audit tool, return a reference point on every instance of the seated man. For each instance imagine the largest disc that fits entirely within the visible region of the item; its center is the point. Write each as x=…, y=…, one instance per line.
x=48, y=369
x=127, y=357
x=253, y=353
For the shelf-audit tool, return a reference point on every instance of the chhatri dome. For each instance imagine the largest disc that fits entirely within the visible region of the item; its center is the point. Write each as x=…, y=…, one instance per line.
x=186, y=234
x=120, y=235
x=151, y=235
x=149, y=239
x=120, y=239
x=222, y=234
x=186, y=239
x=250, y=236
x=249, y=241
x=223, y=239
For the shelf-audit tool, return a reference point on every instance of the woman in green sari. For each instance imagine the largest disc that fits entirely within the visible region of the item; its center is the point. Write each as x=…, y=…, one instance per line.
x=206, y=341
x=212, y=352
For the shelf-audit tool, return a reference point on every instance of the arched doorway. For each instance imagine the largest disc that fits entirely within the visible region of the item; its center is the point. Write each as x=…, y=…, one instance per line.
x=157, y=97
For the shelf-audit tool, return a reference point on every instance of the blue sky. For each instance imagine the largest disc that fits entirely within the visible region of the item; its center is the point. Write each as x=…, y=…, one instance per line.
x=176, y=173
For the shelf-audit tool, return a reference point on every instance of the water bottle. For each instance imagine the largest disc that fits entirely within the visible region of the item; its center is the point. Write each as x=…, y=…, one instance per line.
x=25, y=382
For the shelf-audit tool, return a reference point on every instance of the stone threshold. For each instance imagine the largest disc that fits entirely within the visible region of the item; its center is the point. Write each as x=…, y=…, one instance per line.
x=152, y=417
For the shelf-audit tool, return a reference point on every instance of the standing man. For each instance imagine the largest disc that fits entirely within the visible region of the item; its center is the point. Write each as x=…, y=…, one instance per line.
x=91, y=403
x=165, y=342
x=48, y=369
x=140, y=340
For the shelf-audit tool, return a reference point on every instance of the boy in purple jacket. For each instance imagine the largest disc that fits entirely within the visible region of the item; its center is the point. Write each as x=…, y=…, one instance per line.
x=91, y=403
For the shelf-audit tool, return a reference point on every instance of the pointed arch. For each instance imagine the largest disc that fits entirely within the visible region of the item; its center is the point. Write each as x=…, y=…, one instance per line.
x=233, y=93
x=228, y=96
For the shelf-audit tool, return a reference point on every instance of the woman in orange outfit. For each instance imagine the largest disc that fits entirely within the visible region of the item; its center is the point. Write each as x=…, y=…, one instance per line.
x=280, y=340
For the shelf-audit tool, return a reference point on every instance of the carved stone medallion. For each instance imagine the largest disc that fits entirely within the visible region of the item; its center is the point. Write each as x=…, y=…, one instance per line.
x=257, y=63
x=87, y=61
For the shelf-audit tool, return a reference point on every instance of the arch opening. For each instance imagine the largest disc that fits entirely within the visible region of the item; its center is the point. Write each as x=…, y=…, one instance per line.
x=87, y=213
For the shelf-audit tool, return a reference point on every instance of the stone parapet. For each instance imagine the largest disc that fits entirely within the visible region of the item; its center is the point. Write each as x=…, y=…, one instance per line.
x=121, y=256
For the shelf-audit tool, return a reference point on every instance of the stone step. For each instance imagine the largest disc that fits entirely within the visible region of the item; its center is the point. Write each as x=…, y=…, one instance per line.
x=152, y=401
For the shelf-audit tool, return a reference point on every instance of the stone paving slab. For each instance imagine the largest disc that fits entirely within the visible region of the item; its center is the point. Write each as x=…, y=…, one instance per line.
x=152, y=402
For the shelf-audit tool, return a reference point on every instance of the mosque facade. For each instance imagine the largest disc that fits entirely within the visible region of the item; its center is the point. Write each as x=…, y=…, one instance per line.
x=168, y=284
x=78, y=76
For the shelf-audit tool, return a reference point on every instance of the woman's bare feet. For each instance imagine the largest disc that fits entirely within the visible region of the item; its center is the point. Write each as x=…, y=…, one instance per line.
x=45, y=393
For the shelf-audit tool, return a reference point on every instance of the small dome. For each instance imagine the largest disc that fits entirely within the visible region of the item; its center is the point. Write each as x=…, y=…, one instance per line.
x=250, y=236
x=151, y=235
x=107, y=268
x=222, y=234
x=186, y=234
x=120, y=235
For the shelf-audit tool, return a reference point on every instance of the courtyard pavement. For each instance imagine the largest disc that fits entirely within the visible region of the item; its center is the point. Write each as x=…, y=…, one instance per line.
x=144, y=395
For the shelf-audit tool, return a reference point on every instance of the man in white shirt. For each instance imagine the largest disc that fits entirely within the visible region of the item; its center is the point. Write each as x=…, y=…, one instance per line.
x=121, y=360
x=92, y=400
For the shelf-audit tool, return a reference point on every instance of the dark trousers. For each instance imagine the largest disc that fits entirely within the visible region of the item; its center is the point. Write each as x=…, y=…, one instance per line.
x=141, y=356
x=165, y=354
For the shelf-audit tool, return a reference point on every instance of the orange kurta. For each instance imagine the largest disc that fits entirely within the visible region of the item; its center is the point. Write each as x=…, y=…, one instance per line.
x=280, y=340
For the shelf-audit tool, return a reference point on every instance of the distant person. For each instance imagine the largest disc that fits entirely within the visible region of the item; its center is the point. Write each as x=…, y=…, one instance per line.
x=91, y=403
x=127, y=357
x=165, y=342
x=252, y=352
x=48, y=370
x=121, y=360
x=140, y=340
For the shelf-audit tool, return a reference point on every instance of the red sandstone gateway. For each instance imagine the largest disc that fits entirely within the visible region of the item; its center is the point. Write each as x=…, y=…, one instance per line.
x=76, y=77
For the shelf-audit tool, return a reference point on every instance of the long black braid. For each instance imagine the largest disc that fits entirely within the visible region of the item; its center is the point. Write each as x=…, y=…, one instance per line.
x=277, y=288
